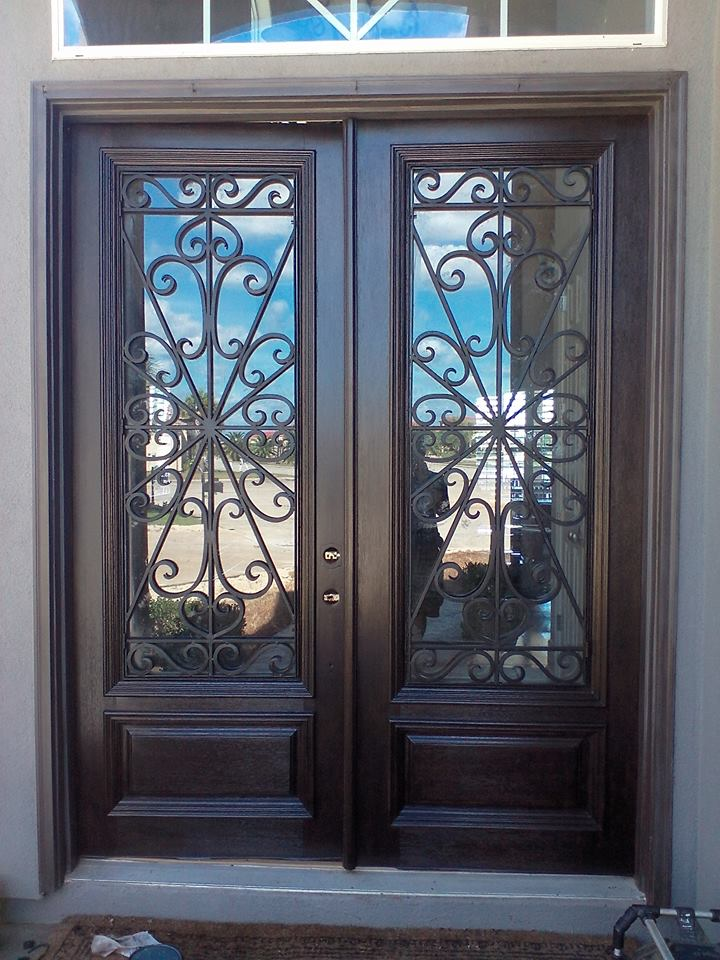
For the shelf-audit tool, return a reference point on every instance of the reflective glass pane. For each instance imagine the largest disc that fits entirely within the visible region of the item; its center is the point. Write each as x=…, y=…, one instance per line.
x=274, y=21
x=100, y=22
x=434, y=18
x=553, y=17
x=209, y=444
x=500, y=420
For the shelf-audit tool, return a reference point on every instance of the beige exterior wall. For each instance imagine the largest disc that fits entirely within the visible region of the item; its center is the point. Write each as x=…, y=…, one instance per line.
x=693, y=42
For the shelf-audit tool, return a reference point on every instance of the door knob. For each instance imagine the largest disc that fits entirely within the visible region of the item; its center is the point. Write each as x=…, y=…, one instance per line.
x=331, y=597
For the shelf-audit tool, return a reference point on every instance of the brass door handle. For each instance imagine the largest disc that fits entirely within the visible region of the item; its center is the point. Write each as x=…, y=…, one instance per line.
x=331, y=597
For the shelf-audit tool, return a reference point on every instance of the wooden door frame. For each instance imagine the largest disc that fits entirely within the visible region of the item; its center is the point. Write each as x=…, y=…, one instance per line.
x=661, y=97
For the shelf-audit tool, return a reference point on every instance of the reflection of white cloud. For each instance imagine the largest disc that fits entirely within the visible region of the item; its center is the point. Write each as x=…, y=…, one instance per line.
x=278, y=310
x=446, y=231
x=182, y=324
x=185, y=325
x=451, y=226
x=155, y=249
x=444, y=355
x=257, y=234
x=257, y=227
x=436, y=251
x=237, y=274
x=474, y=273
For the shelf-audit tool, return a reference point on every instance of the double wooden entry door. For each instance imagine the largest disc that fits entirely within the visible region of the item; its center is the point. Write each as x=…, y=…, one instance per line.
x=357, y=410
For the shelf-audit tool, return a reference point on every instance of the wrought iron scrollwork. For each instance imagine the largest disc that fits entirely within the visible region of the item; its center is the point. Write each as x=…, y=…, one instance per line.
x=210, y=424
x=500, y=424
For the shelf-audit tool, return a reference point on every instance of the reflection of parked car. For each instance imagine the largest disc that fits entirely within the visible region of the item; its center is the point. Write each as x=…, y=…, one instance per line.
x=218, y=485
x=528, y=544
x=542, y=491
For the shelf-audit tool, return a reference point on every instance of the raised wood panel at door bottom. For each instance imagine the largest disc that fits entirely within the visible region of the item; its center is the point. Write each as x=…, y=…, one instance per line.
x=209, y=766
x=530, y=777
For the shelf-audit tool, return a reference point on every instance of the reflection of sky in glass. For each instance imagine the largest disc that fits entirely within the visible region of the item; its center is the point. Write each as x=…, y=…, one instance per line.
x=309, y=25
x=265, y=237
x=407, y=20
x=410, y=21
x=458, y=240
x=497, y=525
x=73, y=28
x=209, y=322
x=443, y=233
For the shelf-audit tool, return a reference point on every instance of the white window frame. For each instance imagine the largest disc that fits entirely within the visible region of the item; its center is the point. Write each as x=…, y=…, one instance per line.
x=658, y=38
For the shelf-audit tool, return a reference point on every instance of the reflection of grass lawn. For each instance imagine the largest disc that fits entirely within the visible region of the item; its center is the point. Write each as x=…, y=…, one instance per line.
x=154, y=511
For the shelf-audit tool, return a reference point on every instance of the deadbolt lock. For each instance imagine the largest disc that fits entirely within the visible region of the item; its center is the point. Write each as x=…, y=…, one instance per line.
x=331, y=597
x=331, y=555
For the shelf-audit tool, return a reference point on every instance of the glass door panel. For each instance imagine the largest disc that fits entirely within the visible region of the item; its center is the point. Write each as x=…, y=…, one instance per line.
x=210, y=429
x=499, y=424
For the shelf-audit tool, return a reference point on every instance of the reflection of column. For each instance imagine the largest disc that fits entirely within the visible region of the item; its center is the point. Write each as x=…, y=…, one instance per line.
x=527, y=311
x=133, y=321
x=536, y=539
x=569, y=542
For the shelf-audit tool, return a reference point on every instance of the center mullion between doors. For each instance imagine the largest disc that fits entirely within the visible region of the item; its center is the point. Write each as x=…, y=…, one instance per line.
x=349, y=845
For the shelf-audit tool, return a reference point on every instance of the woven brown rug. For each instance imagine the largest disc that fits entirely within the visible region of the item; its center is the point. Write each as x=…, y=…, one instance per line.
x=226, y=941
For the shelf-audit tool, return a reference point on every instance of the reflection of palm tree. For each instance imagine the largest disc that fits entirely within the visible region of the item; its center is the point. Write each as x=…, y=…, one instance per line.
x=198, y=402
x=234, y=448
x=272, y=445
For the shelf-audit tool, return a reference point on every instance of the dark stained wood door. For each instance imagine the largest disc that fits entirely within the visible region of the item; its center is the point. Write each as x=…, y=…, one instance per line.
x=484, y=714
x=207, y=481
x=500, y=369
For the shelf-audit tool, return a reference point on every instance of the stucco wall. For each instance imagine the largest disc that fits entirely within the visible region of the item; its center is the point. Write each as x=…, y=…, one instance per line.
x=25, y=32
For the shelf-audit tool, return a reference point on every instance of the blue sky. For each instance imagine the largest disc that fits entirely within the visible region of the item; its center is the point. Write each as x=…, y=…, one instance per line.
x=266, y=237
x=74, y=33
x=237, y=308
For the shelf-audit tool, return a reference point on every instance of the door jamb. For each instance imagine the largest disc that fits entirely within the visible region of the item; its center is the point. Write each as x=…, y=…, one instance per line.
x=661, y=97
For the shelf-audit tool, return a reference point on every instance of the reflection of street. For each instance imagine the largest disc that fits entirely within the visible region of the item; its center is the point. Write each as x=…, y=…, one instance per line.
x=470, y=541
x=468, y=547
x=238, y=543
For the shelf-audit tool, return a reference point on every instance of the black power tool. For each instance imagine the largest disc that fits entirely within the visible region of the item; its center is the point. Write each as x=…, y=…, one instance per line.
x=686, y=941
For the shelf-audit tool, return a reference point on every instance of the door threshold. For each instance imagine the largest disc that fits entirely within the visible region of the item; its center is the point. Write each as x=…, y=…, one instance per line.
x=296, y=893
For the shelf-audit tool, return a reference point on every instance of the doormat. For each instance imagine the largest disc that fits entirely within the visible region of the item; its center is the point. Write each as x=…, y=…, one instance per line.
x=229, y=941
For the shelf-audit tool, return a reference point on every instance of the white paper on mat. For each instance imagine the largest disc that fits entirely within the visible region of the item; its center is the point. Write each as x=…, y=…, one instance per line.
x=125, y=946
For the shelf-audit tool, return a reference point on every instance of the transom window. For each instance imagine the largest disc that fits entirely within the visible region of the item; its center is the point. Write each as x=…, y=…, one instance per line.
x=105, y=28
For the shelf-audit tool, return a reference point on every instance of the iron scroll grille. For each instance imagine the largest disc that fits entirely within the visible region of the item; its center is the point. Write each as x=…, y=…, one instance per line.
x=501, y=379
x=209, y=423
